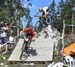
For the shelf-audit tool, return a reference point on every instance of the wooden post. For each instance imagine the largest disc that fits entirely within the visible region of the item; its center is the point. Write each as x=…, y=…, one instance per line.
x=72, y=22
x=63, y=39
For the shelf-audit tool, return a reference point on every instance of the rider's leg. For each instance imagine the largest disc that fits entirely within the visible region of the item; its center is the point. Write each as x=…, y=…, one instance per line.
x=26, y=47
x=28, y=42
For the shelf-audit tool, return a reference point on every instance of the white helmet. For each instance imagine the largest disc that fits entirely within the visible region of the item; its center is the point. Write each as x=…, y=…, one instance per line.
x=45, y=9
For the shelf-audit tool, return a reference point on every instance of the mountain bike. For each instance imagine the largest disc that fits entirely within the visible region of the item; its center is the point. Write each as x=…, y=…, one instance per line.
x=25, y=47
x=42, y=23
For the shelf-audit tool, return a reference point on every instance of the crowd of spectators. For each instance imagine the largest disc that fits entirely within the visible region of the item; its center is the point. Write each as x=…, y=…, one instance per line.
x=7, y=31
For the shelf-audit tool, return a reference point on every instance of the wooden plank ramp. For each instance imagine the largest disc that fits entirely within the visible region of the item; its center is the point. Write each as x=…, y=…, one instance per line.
x=17, y=51
x=42, y=50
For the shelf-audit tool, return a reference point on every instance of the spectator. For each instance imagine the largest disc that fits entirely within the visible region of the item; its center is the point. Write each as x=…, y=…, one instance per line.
x=8, y=29
x=3, y=37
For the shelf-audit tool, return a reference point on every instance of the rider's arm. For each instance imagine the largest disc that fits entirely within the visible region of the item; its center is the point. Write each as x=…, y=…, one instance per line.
x=35, y=15
x=25, y=36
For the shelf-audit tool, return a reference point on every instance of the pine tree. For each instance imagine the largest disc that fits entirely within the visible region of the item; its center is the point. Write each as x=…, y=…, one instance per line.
x=66, y=9
x=12, y=10
x=60, y=8
x=52, y=11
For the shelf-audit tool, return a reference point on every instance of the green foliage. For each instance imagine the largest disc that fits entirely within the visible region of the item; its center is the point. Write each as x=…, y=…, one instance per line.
x=9, y=10
x=66, y=11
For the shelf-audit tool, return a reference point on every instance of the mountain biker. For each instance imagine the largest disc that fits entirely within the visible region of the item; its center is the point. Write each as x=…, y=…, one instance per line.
x=45, y=13
x=29, y=32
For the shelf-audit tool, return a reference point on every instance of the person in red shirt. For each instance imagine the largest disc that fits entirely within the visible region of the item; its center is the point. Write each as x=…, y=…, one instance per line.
x=29, y=31
x=29, y=34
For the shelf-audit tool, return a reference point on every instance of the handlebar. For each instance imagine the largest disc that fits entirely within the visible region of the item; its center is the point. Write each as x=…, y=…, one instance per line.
x=37, y=16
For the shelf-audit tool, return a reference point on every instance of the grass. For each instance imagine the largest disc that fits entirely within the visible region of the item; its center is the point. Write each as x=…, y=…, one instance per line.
x=4, y=58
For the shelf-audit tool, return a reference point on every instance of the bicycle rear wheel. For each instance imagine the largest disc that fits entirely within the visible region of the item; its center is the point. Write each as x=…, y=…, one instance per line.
x=38, y=26
x=23, y=53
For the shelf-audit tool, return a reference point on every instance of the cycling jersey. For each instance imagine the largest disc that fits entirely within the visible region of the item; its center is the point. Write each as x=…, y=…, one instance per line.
x=29, y=31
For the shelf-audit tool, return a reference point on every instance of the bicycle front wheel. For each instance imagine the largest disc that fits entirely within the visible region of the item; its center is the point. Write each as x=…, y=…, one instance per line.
x=23, y=56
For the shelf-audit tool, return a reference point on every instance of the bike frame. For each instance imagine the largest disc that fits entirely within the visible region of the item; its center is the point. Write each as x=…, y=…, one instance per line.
x=41, y=24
